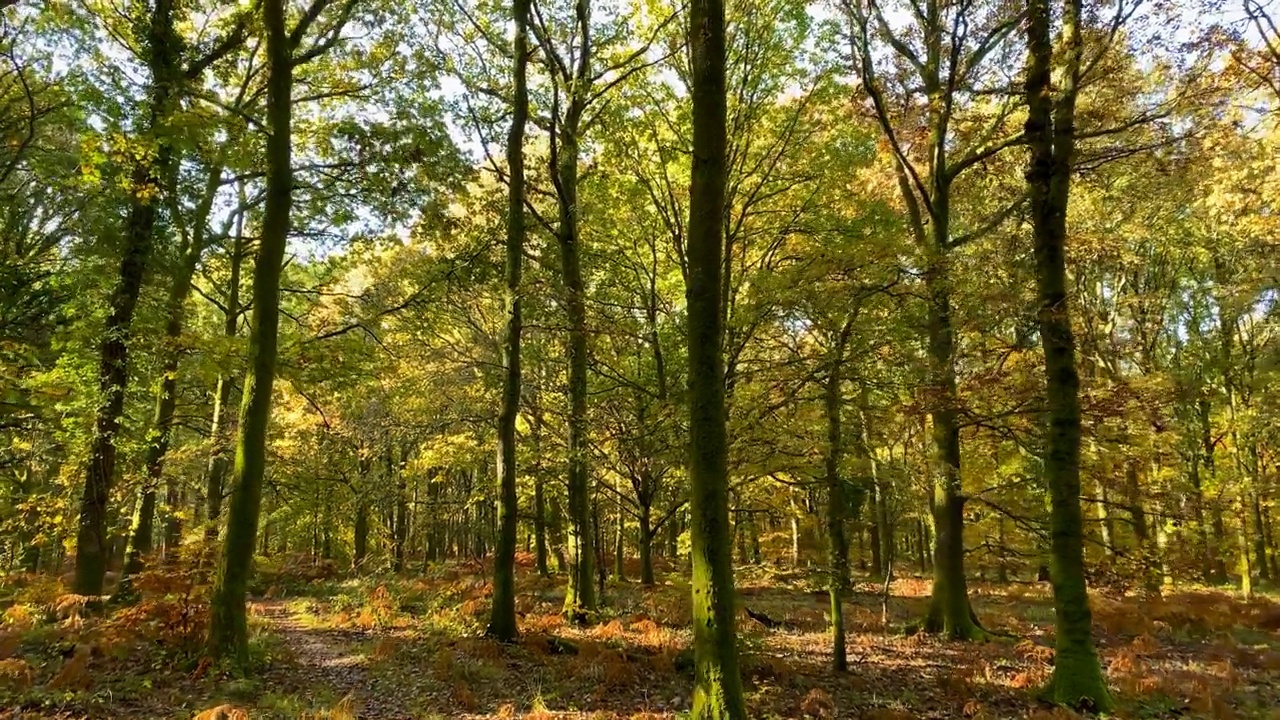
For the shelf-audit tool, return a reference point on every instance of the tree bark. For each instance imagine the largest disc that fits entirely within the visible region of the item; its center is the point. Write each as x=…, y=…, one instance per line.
x=580, y=596
x=502, y=619
x=837, y=506
x=949, y=610
x=1259, y=539
x=950, y=613
x=228, y=629
x=1141, y=530
x=1198, y=519
x=400, y=525
x=619, y=543
x=922, y=545
x=1050, y=130
x=717, y=692
x=1106, y=525
x=646, y=532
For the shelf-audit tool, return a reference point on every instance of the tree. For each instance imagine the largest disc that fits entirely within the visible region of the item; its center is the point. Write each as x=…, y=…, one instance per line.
x=1050, y=129
x=502, y=623
x=163, y=55
x=946, y=53
x=228, y=629
x=575, y=79
x=717, y=691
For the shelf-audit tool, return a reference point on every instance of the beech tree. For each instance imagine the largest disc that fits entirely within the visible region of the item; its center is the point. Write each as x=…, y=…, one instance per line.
x=503, y=622
x=717, y=685
x=228, y=629
x=1050, y=129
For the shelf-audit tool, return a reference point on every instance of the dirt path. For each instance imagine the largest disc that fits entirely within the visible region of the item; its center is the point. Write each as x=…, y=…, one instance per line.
x=333, y=662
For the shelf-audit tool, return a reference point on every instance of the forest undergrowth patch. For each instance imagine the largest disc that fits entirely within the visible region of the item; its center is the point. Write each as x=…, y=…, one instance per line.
x=412, y=646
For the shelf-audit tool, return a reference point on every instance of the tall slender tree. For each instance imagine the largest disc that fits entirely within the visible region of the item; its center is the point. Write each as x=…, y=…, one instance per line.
x=228, y=630
x=1050, y=127
x=717, y=690
x=575, y=79
x=837, y=499
x=502, y=621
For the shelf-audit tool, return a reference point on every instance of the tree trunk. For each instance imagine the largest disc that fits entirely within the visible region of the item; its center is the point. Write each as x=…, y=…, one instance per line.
x=646, y=546
x=221, y=426
x=555, y=526
x=1198, y=519
x=1106, y=525
x=174, y=499
x=163, y=54
x=1217, y=528
x=794, y=517
x=1165, y=577
x=949, y=610
x=1002, y=552
x=580, y=596
x=873, y=532
x=228, y=630
x=881, y=535
x=673, y=530
x=1050, y=129
x=1259, y=539
x=1141, y=532
x=360, y=544
x=502, y=619
x=619, y=542
x=1269, y=529
x=540, y=524
x=717, y=692
x=837, y=508
x=601, y=560
x=400, y=527
x=922, y=546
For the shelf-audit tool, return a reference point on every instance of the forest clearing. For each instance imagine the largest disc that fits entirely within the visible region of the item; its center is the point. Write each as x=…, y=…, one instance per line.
x=709, y=359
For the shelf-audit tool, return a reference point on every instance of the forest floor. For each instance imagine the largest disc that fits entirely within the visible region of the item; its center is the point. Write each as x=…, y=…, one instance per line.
x=411, y=647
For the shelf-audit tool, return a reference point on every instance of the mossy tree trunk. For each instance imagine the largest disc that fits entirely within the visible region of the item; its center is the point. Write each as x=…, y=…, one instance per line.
x=146, y=193
x=228, y=629
x=941, y=58
x=619, y=541
x=502, y=619
x=1106, y=525
x=949, y=611
x=1050, y=128
x=580, y=595
x=1198, y=519
x=1141, y=528
x=717, y=692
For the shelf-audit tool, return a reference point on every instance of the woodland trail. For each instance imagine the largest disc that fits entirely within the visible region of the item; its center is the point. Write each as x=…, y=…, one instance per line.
x=334, y=661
